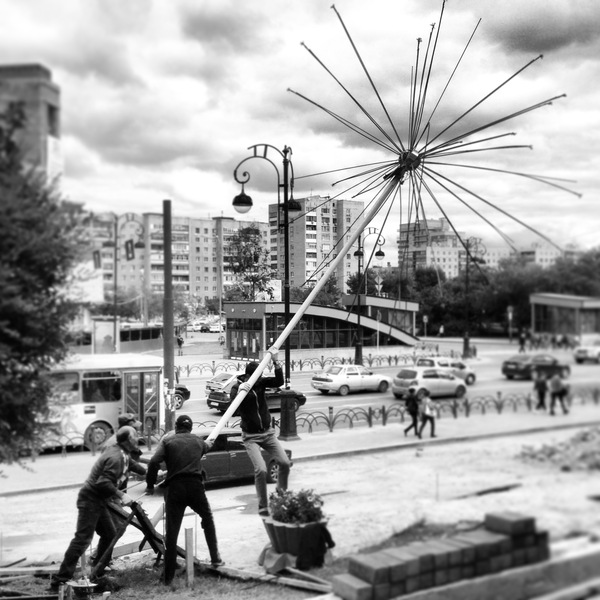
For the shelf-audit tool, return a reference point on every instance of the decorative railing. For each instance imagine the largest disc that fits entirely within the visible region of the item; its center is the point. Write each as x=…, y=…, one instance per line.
x=320, y=362
x=348, y=418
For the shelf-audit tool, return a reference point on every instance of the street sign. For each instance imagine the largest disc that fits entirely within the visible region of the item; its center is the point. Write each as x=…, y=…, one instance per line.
x=425, y=319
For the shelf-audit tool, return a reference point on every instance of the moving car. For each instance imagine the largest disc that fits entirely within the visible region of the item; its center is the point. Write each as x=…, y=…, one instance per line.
x=456, y=367
x=439, y=382
x=523, y=366
x=349, y=378
x=228, y=460
x=218, y=391
x=589, y=353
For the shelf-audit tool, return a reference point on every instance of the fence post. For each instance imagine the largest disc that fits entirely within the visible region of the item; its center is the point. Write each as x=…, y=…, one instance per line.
x=383, y=415
x=330, y=419
x=499, y=403
x=370, y=417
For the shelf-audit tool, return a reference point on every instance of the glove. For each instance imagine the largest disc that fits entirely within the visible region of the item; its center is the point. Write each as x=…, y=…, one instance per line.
x=149, y=491
x=126, y=500
x=209, y=444
x=274, y=353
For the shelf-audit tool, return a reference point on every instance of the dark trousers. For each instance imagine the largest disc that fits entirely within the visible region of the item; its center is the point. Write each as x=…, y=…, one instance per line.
x=560, y=396
x=431, y=423
x=415, y=423
x=181, y=493
x=93, y=516
x=541, y=399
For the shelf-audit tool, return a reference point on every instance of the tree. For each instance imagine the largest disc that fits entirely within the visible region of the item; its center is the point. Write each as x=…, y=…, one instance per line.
x=38, y=247
x=249, y=261
x=329, y=295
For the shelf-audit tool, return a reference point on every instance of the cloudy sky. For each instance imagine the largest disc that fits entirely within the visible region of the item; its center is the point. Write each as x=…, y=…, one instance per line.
x=162, y=98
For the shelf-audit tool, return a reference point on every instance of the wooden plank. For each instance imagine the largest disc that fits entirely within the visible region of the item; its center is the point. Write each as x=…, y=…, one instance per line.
x=39, y=570
x=189, y=556
x=11, y=562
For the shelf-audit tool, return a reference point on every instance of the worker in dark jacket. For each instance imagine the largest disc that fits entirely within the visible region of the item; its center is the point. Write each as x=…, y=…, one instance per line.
x=184, y=486
x=101, y=487
x=257, y=432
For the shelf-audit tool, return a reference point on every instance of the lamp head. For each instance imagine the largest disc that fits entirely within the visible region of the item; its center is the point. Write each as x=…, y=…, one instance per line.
x=293, y=206
x=379, y=254
x=242, y=202
x=358, y=253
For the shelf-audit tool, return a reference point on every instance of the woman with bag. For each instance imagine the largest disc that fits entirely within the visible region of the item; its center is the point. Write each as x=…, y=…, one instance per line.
x=427, y=414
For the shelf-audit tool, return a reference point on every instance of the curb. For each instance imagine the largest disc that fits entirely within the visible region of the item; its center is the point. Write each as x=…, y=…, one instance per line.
x=358, y=451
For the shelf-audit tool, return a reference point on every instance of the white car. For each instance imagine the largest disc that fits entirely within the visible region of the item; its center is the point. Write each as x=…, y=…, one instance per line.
x=587, y=353
x=216, y=328
x=456, y=367
x=438, y=382
x=349, y=378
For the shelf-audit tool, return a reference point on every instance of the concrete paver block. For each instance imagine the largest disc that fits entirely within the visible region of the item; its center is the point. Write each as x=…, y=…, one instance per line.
x=350, y=587
x=374, y=568
x=406, y=563
x=509, y=522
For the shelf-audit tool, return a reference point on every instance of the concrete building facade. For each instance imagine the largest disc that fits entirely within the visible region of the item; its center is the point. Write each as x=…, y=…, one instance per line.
x=316, y=234
x=32, y=85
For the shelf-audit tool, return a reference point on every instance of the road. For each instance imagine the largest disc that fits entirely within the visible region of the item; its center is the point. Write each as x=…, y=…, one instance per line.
x=489, y=382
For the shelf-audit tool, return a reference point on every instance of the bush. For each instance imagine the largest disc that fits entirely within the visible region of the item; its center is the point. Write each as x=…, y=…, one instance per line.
x=304, y=506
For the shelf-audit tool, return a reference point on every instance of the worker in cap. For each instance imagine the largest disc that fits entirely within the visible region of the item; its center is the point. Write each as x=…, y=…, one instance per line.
x=184, y=487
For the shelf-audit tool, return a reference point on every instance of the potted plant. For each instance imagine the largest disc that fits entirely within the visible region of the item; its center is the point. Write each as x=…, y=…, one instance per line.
x=296, y=519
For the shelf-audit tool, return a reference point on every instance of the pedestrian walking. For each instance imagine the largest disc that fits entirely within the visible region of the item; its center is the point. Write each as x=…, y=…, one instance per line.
x=179, y=345
x=412, y=408
x=558, y=391
x=427, y=414
x=184, y=484
x=540, y=386
x=522, y=341
x=257, y=432
x=101, y=487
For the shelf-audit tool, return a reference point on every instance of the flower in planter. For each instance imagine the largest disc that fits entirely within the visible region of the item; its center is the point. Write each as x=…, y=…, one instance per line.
x=287, y=506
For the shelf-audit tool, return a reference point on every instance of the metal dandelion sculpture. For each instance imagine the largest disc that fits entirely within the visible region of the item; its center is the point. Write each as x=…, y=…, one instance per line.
x=415, y=169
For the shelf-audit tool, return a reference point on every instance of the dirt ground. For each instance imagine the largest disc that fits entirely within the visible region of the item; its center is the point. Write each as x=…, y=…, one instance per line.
x=423, y=491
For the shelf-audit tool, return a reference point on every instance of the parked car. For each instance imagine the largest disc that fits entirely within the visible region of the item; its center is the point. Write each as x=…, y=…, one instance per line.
x=218, y=391
x=523, y=366
x=456, y=367
x=589, y=353
x=182, y=393
x=439, y=382
x=215, y=328
x=350, y=378
x=228, y=460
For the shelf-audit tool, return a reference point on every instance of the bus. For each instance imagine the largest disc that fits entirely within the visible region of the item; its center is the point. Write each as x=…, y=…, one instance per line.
x=90, y=391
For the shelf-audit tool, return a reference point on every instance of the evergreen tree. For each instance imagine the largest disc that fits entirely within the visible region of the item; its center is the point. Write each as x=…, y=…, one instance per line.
x=38, y=244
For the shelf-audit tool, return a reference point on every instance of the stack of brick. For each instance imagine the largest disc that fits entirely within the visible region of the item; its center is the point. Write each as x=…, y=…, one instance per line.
x=504, y=541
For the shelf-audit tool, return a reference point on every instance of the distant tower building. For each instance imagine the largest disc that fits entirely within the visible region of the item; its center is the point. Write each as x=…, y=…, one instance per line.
x=317, y=234
x=32, y=84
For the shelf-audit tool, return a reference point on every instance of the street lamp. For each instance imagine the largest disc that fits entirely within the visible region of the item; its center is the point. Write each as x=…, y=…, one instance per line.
x=358, y=358
x=243, y=203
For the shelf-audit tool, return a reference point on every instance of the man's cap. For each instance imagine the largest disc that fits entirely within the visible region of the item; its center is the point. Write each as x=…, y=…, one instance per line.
x=129, y=419
x=125, y=434
x=412, y=390
x=183, y=422
x=251, y=367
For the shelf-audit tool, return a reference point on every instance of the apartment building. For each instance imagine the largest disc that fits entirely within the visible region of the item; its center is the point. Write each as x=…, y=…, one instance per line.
x=316, y=235
x=40, y=140
x=135, y=263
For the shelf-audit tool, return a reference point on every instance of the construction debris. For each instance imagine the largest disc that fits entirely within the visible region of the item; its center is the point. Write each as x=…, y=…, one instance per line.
x=579, y=453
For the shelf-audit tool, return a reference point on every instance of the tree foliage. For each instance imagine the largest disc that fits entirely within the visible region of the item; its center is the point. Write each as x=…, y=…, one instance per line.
x=249, y=261
x=38, y=245
x=329, y=295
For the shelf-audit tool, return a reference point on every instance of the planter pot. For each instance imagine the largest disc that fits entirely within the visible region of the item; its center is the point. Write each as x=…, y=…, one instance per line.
x=289, y=537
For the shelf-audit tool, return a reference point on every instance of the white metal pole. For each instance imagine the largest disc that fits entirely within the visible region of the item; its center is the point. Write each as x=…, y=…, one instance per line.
x=385, y=194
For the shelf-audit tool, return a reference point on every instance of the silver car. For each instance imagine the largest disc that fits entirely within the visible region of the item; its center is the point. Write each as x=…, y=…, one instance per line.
x=437, y=381
x=349, y=378
x=456, y=367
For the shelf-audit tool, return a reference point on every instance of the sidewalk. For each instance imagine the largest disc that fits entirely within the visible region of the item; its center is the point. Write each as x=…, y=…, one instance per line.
x=52, y=472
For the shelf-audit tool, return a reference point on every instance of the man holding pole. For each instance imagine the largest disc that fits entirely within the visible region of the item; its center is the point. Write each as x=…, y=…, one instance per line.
x=257, y=432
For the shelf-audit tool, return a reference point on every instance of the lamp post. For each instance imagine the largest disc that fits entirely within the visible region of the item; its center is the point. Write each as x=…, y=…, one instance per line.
x=473, y=248
x=359, y=253
x=243, y=203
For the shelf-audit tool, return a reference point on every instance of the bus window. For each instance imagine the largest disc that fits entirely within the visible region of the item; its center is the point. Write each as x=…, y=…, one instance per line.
x=65, y=387
x=101, y=387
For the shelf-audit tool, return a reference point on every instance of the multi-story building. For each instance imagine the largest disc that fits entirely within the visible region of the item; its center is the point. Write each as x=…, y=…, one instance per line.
x=316, y=235
x=32, y=85
x=433, y=243
x=200, y=267
x=544, y=254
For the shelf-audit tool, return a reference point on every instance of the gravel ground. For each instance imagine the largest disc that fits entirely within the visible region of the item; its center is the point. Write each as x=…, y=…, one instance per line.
x=369, y=498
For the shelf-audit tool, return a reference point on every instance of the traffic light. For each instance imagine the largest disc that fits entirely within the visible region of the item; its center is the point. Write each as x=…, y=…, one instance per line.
x=96, y=257
x=129, y=250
